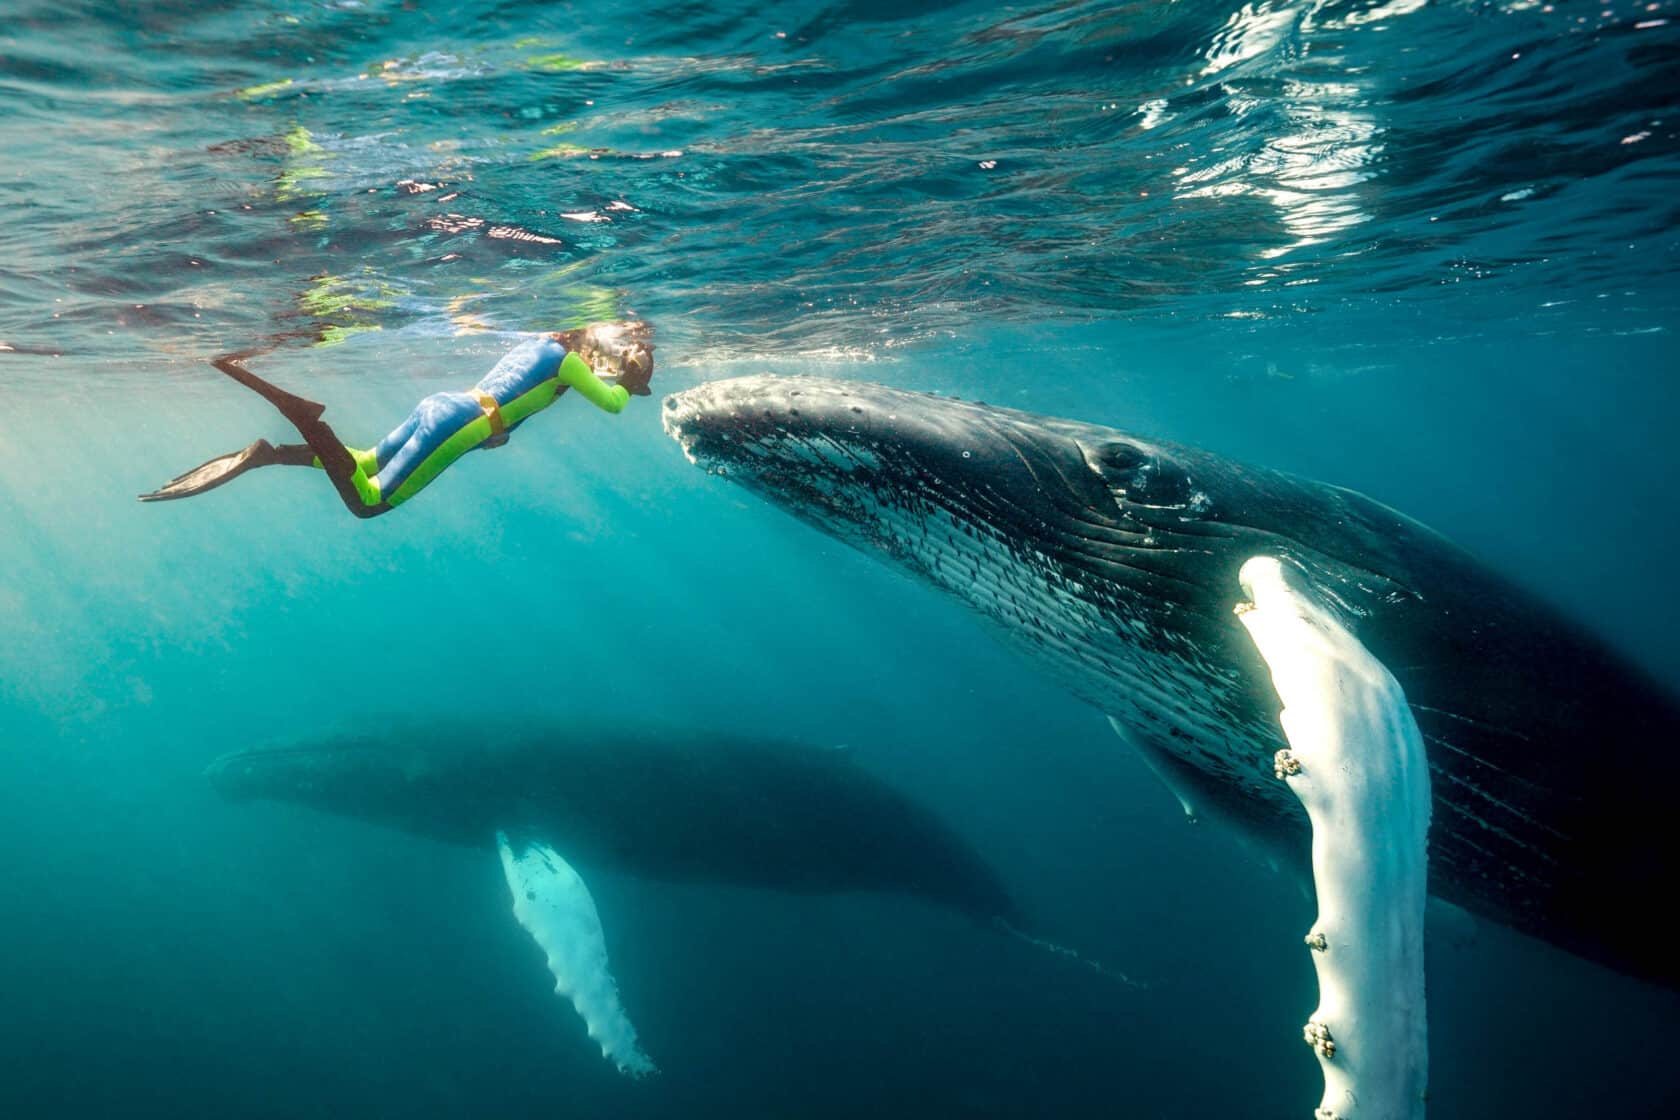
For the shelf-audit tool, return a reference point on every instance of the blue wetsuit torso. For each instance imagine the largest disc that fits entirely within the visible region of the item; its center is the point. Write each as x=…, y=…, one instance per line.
x=445, y=426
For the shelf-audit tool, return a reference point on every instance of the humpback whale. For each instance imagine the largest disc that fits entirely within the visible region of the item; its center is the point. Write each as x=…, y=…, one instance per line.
x=658, y=805
x=1112, y=561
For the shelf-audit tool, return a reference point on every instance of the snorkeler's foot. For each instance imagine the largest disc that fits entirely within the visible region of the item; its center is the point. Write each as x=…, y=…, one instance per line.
x=221, y=469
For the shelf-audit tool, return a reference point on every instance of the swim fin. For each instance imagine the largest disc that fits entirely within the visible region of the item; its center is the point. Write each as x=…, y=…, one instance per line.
x=294, y=408
x=226, y=468
x=305, y=416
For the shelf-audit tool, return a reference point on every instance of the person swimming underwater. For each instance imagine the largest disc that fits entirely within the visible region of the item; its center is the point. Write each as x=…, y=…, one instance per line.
x=443, y=426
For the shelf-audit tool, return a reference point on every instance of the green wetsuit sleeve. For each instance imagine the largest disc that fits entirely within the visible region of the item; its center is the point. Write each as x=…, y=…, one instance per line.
x=574, y=371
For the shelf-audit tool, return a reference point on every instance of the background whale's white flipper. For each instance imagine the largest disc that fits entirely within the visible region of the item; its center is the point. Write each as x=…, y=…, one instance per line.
x=1357, y=763
x=552, y=903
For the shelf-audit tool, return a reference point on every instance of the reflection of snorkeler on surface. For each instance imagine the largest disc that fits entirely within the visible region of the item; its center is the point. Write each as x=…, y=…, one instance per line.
x=444, y=426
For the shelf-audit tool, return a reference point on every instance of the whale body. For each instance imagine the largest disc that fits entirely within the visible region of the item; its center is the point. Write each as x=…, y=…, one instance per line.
x=1111, y=561
x=650, y=803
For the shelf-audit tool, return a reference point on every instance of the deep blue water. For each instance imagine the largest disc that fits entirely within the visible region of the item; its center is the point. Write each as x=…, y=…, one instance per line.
x=1426, y=251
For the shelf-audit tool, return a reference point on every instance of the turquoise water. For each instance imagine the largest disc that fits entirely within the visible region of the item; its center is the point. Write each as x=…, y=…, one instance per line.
x=1423, y=251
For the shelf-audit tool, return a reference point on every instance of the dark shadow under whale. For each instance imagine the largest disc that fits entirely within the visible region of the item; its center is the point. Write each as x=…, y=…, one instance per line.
x=1112, y=560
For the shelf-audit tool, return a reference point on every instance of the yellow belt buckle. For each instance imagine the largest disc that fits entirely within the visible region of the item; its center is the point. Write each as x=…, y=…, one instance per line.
x=493, y=413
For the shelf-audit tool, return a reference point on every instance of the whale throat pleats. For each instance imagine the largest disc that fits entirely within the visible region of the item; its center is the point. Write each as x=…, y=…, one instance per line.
x=553, y=904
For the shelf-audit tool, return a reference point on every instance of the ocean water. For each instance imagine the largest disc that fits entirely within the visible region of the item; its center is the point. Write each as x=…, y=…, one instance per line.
x=1423, y=250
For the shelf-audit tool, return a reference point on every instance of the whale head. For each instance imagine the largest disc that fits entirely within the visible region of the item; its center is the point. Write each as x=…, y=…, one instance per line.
x=312, y=772
x=1099, y=552
x=393, y=780
x=866, y=462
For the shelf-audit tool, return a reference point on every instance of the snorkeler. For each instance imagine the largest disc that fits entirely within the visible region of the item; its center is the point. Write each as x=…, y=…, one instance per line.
x=443, y=426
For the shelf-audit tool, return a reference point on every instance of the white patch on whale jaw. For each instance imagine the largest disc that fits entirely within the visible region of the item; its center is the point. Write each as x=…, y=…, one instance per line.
x=1357, y=763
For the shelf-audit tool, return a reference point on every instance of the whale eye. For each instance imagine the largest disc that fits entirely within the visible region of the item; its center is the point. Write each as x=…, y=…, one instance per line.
x=1141, y=478
x=1117, y=458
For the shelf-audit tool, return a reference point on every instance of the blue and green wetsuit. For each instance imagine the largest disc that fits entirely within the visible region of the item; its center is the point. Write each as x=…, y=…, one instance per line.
x=442, y=428
x=445, y=426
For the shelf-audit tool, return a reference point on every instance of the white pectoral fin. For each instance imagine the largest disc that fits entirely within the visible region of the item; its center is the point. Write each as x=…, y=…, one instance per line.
x=1356, y=762
x=553, y=904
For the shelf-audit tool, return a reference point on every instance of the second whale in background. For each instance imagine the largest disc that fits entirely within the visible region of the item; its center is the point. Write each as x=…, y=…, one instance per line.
x=655, y=804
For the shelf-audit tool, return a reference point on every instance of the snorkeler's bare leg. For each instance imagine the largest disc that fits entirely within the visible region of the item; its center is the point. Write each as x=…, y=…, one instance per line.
x=305, y=416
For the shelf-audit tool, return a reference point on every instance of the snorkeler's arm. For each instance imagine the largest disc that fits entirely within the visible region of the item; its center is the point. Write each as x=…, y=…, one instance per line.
x=575, y=373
